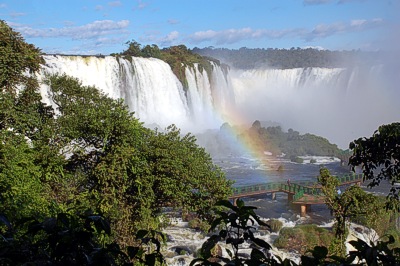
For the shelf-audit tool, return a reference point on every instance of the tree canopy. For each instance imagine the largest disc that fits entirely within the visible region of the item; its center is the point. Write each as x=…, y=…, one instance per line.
x=249, y=58
x=179, y=57
x=352, y=204
x=291, y=143
x=379, y=157
x=89, y=152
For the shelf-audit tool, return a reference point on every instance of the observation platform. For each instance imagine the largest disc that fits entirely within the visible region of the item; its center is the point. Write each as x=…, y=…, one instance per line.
x=301, y=193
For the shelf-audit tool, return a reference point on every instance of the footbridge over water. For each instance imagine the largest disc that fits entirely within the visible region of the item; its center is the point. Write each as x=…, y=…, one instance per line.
x=303, y=193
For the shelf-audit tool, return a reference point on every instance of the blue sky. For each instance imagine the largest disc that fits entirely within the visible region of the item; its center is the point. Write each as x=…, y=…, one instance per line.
x=103, y=27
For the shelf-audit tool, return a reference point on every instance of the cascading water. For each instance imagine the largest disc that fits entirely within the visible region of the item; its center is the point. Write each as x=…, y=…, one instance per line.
x=339, y=104
x=149, y=88
x=335, y=103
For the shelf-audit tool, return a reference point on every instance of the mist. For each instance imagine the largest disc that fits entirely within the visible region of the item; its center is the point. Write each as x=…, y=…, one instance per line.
x=340, y=104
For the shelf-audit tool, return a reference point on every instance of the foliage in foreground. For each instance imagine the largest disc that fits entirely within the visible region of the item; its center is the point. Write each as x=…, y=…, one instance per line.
x=353, y=204
x=238, y=229
x=303, y=238
x=379, y=157
x=74, y=240
x=88, y=151
x=78, y=240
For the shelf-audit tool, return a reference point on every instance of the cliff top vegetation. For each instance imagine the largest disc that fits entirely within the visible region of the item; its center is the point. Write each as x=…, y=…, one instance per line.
x=178, y=57
x=248, y=58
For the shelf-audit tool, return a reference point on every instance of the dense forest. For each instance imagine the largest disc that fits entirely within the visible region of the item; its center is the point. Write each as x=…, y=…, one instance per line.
x=247, y=58
x=270, y=137
x=290, y=143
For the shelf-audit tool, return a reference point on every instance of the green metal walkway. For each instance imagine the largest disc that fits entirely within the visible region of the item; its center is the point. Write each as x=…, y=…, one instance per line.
x=302, y=192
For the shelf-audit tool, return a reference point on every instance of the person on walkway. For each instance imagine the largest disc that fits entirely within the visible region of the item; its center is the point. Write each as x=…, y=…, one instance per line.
x=288, y=182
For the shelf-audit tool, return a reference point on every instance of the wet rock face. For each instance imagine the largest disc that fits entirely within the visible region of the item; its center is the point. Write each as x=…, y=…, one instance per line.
x=358, y=230
x=181, y=250
x=170, y=238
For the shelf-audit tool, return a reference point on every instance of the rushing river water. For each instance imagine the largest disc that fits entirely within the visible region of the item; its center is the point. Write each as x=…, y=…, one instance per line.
x=245, y=170
x=184, y=243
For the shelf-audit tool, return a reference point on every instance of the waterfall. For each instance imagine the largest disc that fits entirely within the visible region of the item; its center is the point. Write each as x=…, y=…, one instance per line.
x=147, y=85
x=337, y=103
x=341, y=104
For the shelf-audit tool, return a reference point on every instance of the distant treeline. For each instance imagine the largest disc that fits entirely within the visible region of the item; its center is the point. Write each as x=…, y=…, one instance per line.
x=247, y=58
x=291, y=143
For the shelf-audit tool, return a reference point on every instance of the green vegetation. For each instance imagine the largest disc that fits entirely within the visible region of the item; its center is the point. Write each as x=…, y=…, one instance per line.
x=275, y=225
x=198, y=224
x=238, y=225
x=247, y=58
x=296, y=159
x=74, y=240
x=178, y=57
x=84, y=183
x=291, y=143
x=354, y=205
x=379, y=157
x=89, y=154
x=303, y=238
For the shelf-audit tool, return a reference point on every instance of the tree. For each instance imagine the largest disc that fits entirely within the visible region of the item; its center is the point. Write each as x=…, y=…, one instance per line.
x=350, y=203
x=22, y=193
x=379, y=157
x=134, y=49
x=16, y=58
x=151, y=51
x=103, y=167
x=184, y=174
x=125, y=171
x=23, y=123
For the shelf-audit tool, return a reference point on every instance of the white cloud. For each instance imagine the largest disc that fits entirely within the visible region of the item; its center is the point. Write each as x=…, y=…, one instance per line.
x=115, y=3
x=173, y=21
x=358, y=22
x=88, y=31
x=141, y=4
x=325, y=30
x=17, y=14
x=3, y=5
x=168, y=40
x=320, y=48
x=68, y=23
x=99, y=8
x=236, y=35
x=319, y=31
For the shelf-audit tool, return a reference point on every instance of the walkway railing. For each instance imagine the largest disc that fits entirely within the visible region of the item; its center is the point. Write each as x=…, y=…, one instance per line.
x=350, y=178
x=306, y=191
x=267, y=187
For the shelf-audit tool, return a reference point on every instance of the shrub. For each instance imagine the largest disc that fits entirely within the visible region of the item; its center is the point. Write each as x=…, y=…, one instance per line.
x=296, y=159
x=303, y=237
x=275, y=225
x=198, y=224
